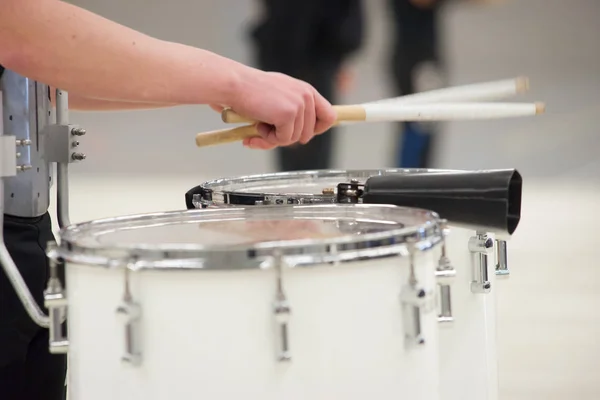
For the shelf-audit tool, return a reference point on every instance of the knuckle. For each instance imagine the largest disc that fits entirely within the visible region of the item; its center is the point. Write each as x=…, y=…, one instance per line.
x=290, y=112
x=283, y=136
x=307, y=95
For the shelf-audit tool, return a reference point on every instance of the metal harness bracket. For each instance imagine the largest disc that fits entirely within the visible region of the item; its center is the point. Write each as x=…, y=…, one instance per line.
x=8, y=151
x=60, y=141
x=8, y=155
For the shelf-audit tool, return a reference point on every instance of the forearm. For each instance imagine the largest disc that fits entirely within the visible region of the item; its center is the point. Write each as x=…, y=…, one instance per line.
x=68, y=47
x=82, y=103
x=79, y=103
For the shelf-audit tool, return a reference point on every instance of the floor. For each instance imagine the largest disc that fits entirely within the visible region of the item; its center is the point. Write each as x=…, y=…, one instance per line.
x=548, y=329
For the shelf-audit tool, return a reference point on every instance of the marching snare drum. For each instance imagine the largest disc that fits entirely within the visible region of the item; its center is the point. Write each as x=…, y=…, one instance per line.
x=301, y=302
x=467, y=303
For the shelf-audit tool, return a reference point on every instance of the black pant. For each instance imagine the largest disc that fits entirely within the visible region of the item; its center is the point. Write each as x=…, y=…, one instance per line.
x=415, y=43
x=27, y=370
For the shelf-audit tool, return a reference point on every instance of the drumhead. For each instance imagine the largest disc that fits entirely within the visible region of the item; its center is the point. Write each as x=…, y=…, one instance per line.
x=240, y=238
x=301, y=187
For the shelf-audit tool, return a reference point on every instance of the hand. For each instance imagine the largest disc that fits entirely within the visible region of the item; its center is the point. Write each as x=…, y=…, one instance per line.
x=291, y=111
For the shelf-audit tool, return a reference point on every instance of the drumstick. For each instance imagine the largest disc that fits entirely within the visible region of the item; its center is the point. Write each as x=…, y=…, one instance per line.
x=487, y=91
x=393, y=112
x=226, y=135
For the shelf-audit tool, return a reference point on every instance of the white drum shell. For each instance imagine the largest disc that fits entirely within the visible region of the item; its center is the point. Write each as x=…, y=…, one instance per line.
x=468, y=357
x=211, y=334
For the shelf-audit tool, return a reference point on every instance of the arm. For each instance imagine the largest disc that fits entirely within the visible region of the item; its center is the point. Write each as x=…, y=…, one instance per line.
x=82, y=103
x=100, y=59
x=90, y=55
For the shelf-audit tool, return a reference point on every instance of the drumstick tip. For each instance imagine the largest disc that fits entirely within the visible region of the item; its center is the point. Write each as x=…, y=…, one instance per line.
x=540, y=108
x=522, y=84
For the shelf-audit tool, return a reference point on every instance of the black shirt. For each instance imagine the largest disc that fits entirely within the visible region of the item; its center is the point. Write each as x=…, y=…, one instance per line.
x=300, y=34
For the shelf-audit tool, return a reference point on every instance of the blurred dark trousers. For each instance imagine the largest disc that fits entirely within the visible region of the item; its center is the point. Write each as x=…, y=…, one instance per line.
x=415, y=44
x=27, y=369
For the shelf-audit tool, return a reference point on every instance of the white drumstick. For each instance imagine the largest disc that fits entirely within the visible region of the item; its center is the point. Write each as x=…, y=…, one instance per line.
x=468, y=93
x=394, y=112
x=436, y=111
x=486, y=91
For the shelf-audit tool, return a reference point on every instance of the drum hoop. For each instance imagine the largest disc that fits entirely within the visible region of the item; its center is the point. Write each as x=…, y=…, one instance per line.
x=296, y=253
x=216, y=192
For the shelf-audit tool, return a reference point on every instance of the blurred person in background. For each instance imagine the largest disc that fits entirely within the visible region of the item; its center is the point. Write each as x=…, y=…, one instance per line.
x=416, y=66
x=310, y=40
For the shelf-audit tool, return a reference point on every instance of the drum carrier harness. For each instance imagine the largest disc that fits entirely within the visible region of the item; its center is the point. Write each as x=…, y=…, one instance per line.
x=34, y=136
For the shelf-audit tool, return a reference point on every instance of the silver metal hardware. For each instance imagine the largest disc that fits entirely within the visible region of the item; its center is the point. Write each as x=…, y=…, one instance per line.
x=77, y=156
x=78, y=131
x=130, y=312
x=414, y=301
x=27, y=111
x=23, y=142
x=445, y=275
x=24, y=167
x=8, y=157
x=55, y=300
x=364, y=238
x=59, y=143
x=62, y=167
x=282, y=311
x=481, y=246
x=280, y=200
x=197, y=200
x=501, y=259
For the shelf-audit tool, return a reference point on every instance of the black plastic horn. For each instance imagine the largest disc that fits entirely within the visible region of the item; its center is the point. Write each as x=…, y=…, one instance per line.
x=488, y=200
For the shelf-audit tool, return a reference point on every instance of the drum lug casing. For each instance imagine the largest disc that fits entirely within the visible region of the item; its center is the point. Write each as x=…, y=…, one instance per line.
x=415, y=301
x=502, y=270
x=129, y=313
x=481, y=245
x=445, y=275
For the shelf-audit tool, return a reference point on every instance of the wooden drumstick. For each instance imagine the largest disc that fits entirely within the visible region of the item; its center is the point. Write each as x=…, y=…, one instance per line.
x=486, y=91
x=226, y=135
x=393, y=112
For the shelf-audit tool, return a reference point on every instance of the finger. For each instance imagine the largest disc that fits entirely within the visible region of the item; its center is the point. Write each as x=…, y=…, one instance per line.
x=268, y=133
x=309, y=119
x=282, y=133
x=326, y=115
x=299, y=125
x=258, y=143
x=216, y=107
